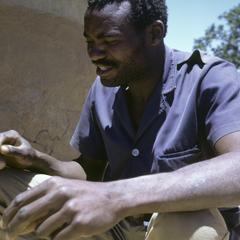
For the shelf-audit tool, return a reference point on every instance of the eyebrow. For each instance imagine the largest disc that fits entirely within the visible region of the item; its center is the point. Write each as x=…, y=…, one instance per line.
x=100, y=35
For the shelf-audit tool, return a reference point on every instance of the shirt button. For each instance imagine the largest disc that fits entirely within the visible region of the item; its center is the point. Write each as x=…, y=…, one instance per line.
x=135, y=152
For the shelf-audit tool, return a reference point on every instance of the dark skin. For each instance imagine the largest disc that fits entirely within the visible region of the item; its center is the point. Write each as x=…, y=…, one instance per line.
x=63, y=208
x=119, y=47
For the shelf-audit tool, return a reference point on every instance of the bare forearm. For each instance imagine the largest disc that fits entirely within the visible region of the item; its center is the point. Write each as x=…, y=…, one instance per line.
x=208, y=184
x=47, y=164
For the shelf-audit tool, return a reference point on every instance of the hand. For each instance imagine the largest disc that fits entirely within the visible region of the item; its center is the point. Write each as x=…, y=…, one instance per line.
x=63, y=209
x=15, y=151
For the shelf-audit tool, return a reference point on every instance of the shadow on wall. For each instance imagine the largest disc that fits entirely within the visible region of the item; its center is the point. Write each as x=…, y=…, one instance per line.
x=45, y=75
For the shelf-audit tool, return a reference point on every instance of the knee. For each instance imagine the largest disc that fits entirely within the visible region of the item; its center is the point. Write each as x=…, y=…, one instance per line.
x=187, y=226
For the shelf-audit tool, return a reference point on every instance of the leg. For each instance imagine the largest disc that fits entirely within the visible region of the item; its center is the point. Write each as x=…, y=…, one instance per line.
x=199, y=225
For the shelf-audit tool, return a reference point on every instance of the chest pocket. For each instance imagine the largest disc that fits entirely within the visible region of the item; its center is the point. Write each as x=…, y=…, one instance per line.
x=173, y=161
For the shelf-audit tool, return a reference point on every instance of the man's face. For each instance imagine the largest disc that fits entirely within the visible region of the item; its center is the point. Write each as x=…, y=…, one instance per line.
x=114, y=45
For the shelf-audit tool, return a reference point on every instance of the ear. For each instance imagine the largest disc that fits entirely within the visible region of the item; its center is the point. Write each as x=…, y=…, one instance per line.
x=155, y=33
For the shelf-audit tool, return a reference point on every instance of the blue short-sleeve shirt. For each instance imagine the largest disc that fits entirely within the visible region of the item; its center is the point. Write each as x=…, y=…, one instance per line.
x=196, y=104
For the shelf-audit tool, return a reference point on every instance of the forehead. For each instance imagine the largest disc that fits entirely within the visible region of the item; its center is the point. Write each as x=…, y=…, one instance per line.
x=111, y=17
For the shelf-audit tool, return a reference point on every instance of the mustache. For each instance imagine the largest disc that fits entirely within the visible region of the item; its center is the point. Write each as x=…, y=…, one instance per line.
x=105, y=62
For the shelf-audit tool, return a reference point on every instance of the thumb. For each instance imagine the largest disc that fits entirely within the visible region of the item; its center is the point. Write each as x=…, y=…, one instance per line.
x=8, y=150
x=4, y=150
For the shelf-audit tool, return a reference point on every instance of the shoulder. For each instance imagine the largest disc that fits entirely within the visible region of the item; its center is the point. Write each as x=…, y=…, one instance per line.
x=201, y=61
x=200, y=68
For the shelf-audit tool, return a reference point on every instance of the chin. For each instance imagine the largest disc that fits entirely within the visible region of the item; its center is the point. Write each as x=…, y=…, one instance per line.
x=109, y=82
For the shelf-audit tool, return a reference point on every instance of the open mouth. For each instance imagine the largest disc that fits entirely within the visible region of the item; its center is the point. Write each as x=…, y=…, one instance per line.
x=103, y=70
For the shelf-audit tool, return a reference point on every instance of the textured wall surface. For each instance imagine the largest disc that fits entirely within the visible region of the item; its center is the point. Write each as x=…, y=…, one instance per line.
x=44, y=71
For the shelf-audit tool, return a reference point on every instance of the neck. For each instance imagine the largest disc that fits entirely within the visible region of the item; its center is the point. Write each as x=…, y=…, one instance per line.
x=139, y=92
x=141, y=89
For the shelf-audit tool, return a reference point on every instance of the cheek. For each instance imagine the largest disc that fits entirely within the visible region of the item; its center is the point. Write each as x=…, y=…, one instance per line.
x=124, y=58
x=126, y=53
x=117, y=54
x=122, y=51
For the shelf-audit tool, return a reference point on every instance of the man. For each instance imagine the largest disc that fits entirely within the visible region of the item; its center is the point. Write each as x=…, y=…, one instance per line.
x=165, y=122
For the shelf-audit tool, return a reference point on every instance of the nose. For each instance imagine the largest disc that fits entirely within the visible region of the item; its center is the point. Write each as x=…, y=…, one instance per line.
x=96, y=52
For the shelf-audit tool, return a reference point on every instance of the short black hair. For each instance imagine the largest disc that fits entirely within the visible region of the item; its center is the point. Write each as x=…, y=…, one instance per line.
x=144, y=12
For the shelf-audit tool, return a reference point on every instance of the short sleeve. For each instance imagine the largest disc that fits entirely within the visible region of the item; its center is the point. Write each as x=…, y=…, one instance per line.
x=87, y=137
x=219, y=100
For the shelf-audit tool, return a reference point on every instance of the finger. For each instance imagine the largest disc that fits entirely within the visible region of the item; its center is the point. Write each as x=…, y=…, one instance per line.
x=4, y=149
x=10, y=150
x=10, y=137
x=71, y=232
x=22, y=200
x=54, y=224
x=80, y=227
x=28, y=215
x=32, y=229
x=23, y=220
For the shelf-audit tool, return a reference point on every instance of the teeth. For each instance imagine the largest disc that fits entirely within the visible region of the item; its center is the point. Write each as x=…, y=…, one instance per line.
x=103, y=68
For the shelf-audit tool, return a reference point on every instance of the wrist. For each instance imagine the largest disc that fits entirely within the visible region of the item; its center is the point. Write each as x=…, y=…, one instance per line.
x=43, y=163
x=122, y=198
x=33, y=156
x=28, y=160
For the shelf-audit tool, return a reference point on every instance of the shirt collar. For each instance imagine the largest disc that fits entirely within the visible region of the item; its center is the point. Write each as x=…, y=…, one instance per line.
x=174, y=63
x=169, y=81
x=195, y=59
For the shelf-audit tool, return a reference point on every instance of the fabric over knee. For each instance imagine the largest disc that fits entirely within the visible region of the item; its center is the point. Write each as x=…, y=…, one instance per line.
x=197, y=225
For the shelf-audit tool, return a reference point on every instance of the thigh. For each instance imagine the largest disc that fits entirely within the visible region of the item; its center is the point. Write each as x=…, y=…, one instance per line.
x=199, y=225
x=14, y=181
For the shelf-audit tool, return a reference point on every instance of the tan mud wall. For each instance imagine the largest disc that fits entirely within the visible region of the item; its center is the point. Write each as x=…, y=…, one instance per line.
x=44, y=71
